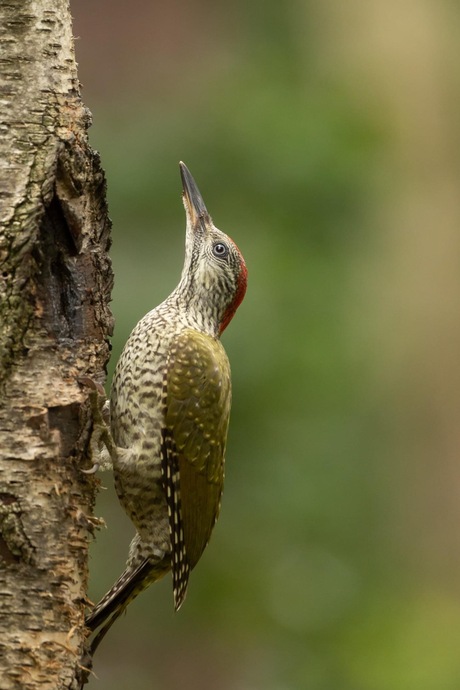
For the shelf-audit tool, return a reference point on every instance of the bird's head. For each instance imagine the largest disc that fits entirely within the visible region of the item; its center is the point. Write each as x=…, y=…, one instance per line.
x=214, y=276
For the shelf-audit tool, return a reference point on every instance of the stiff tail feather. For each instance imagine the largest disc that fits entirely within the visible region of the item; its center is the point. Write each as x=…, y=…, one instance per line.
x=126, y=588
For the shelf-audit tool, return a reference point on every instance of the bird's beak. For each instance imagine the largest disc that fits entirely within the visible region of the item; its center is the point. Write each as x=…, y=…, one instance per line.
x=193, y=201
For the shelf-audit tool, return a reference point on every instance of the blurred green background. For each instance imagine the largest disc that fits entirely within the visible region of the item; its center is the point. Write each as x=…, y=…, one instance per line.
x=325, y=138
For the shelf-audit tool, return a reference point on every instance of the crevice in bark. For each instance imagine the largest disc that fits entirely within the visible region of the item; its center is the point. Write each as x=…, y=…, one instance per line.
x=58, y=289
x=67, y=420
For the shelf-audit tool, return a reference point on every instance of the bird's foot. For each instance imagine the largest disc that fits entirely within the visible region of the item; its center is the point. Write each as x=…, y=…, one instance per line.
x=102, y=449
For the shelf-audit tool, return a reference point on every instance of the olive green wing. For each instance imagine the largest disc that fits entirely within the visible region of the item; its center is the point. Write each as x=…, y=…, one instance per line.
x=197, y=399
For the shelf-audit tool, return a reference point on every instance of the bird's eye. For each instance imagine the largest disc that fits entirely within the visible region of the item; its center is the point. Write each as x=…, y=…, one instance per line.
x=220, y=250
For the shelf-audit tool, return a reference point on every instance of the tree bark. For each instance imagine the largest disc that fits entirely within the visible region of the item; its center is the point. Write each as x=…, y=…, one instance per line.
x=55, y=283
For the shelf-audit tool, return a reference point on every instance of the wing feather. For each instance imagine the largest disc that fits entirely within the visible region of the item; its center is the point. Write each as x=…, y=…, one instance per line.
x=197, y=407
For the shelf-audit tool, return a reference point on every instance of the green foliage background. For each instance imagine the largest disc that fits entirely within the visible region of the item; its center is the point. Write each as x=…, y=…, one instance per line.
x=324, y=138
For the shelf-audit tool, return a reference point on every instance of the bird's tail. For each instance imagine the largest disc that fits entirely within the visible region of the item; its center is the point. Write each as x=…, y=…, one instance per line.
x=130, y=583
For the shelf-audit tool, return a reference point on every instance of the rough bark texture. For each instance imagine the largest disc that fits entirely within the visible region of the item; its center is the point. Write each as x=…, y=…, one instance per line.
x=55, y=282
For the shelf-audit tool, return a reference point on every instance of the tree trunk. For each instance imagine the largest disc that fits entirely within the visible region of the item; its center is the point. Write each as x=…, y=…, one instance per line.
x=55, y=282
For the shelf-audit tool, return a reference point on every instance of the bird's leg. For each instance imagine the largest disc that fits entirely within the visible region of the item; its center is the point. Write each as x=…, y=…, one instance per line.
x=102, y=447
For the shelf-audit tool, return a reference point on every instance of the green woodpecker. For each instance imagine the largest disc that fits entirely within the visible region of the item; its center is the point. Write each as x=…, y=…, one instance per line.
x=169, y=412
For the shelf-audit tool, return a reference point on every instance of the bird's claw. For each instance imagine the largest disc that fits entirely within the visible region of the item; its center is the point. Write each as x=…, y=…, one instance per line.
x=101, y=443
x=95, y=468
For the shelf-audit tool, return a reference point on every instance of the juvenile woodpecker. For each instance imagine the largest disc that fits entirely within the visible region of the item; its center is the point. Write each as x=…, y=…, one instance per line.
x=169, y=412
